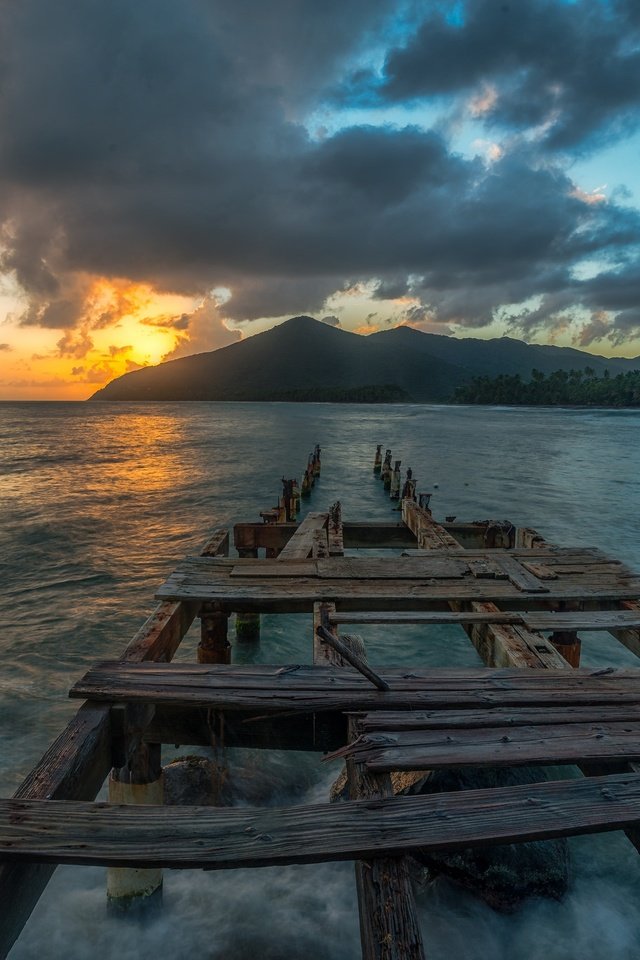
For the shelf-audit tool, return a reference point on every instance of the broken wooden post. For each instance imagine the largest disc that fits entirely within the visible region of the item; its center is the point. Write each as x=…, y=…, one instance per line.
x=394, y=487
x=335, y=531
x=409, y=488
x=316, y=460
x=377, y=463
x=386, y=470
x=214, y=646
x=138, y=781
x=295, y=496
x=307, y=480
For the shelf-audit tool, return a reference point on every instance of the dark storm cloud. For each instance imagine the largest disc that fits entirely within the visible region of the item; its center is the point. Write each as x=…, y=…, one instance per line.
x=573, y=66
x=163, y=143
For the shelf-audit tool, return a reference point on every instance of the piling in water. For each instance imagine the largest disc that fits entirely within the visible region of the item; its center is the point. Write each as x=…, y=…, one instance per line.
x=394, y=487
x=386, y=470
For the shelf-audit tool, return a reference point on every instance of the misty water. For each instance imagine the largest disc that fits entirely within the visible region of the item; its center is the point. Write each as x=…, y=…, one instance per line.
x=99, y=503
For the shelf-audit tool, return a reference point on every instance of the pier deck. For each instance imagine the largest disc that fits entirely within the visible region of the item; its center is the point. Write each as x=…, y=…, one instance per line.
x=521, y=602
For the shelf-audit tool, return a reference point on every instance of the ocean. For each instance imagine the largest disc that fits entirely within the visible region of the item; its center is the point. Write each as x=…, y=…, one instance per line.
x=99, y=503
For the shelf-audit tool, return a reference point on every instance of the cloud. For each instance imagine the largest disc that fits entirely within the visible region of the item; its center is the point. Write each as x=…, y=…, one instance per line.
x=569, y=70
x=166, y=144
x=207, y=331
x=4, y=347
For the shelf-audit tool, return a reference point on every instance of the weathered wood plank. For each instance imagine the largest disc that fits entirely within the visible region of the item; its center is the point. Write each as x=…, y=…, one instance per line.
x=519, y=577
x=195, y=837
x=193, y=581
x=630, y=635
x=533, y=619
x=496, y=717
x=311, y=689
x=385, y=750
x=300, y=546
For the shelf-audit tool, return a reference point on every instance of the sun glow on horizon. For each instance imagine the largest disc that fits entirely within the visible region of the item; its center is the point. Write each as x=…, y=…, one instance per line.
x=122, y=325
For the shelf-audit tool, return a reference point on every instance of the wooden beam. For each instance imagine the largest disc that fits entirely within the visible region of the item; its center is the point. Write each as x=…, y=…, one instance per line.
x=226, y=838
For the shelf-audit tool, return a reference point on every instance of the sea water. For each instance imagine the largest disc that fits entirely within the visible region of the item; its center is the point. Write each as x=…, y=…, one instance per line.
x=100, y=502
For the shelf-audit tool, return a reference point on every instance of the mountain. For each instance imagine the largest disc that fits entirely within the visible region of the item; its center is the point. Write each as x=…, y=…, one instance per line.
x=306, y=359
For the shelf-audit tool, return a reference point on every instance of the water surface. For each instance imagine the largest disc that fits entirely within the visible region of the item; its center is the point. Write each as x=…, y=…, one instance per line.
x=100, y=501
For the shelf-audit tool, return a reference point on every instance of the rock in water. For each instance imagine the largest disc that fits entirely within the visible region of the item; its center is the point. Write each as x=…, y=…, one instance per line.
x=191, y=780
x=507, y=875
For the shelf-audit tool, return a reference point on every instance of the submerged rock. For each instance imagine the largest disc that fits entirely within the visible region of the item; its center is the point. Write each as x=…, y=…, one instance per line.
x=191, y=780
x=503, y=876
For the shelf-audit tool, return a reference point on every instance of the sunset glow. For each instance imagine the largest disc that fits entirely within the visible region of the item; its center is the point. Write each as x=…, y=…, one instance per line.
x=465, y=167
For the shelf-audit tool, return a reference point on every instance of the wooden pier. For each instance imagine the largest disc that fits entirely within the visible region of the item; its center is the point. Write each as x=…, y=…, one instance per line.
x=521, y=601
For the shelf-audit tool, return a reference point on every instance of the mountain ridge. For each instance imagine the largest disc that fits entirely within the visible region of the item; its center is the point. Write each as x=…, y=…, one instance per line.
x=303, y=354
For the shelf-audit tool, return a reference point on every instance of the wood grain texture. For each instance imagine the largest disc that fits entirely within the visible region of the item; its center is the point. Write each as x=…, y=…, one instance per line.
x=387, y=750
x=311, y=689
x=196, y=837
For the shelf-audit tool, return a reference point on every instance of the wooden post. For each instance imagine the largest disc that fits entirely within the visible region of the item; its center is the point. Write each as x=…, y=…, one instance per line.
x=316, y=460
x=214, y=646
x=409, y=488
x=307, y=480
x=295, y=496
x=377, y=463
x=386, y=470
x=139, y=781
x=248, y=623
x=394, y=487
x=568, y=645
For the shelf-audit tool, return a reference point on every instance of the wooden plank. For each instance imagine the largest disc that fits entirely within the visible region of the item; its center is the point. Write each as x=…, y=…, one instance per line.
x=311, y=689
x=630, y=635
x=386, y=750
x=539, y=570
x=427, y=618
x=496, y=717
x=587, y=620
x=278, y=569
x=519, y=577
x=356, y=568
x=300, y=546
x=195, y=580
x=222, y=838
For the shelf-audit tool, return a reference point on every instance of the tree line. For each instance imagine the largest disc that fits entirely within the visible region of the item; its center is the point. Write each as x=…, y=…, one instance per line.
x=575, y=387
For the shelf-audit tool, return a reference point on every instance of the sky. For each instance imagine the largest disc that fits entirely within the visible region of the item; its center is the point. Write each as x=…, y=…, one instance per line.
x=176, y=176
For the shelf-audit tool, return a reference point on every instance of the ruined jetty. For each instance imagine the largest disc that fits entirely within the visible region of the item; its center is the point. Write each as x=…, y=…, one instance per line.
x=522, y=602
